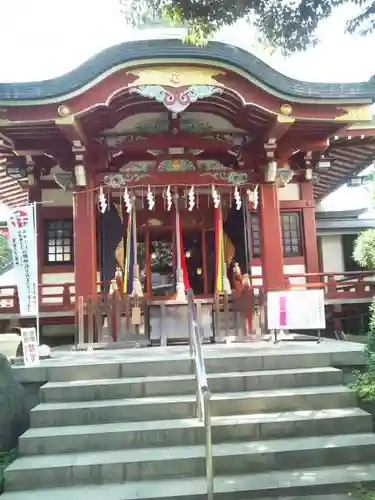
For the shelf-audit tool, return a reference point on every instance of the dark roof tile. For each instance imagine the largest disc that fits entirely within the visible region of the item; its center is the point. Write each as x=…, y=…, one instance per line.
x=172, y=49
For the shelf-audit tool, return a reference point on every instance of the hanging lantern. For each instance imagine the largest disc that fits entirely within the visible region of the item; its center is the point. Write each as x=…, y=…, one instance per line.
x=237, y=198
x=191, y=197
x=215, y=197
x=127, y=200
x=102, y=201
x=168, y=195
x=150, y=199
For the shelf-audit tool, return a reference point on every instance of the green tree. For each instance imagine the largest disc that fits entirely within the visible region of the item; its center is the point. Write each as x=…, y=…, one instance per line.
x=5, y=252
x=364, y=254
x=286, y=24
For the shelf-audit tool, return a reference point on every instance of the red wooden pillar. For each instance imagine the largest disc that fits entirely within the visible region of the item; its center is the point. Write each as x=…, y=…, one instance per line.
x=271, y=243
x=309, y=231
x=85, y=262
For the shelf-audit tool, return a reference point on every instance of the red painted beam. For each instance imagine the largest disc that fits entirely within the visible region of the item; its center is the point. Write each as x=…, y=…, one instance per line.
x=197, y=178
x=165, y=141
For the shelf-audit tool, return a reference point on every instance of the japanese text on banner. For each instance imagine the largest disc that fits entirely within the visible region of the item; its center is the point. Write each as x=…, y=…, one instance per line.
x=22, y=235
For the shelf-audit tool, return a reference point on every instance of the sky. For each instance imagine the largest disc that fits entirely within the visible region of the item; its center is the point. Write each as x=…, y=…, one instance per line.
x=41, y=39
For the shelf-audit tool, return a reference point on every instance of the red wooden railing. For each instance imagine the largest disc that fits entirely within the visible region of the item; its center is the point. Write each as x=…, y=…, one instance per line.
x=56, y=297
x=52, y=297
x=342, y=286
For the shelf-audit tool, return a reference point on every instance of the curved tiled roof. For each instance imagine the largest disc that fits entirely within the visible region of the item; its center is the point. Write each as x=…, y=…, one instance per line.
x=173, y=49
x=11, y=193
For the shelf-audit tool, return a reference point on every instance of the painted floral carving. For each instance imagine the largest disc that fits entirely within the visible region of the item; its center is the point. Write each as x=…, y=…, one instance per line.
x=175, y=99
x=114, y=180
x=138, y=166
x=210, y=165
x=236, y=178
x=176, y=166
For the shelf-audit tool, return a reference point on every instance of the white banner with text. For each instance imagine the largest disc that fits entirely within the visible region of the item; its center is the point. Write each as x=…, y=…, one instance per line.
x=22, y=240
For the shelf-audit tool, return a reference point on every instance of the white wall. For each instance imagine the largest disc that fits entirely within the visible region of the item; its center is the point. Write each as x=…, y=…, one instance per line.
x=288, y=269
x=289, y=192
x=332, y=253
x=59, y=279
x=57, y=197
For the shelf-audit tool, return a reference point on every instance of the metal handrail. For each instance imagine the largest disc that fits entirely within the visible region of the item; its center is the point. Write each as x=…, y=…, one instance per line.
x=203, y=392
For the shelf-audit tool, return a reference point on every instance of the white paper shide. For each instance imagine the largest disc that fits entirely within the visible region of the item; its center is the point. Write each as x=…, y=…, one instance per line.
x=22, y=239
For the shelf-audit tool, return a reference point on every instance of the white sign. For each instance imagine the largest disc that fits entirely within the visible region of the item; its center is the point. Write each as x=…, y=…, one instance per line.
x=29, y=346
x=22, y=240
x=296, y=310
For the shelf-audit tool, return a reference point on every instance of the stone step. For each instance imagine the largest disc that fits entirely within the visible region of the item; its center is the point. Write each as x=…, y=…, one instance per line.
x=322, y=483
x=114, y=436
x=188, y=461
x=221, y=359
x=277, y=485
x=326, y=483
x=89, y=390
x=172, y=407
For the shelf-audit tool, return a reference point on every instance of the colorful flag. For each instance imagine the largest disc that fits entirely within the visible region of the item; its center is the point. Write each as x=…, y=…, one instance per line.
x=219, y=250
x=129, y=256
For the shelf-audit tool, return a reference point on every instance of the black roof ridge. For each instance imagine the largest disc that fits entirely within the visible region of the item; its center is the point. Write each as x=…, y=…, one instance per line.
x=173, y=48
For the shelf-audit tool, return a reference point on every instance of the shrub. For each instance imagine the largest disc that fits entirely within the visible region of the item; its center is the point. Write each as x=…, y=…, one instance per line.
x=364, y=249
x=5, y=460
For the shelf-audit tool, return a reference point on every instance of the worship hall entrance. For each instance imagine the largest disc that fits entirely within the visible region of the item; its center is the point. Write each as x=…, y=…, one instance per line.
x=176, y=248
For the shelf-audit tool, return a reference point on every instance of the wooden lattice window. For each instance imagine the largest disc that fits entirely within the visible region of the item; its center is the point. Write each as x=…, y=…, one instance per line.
x=59, y=247
x=290, y=233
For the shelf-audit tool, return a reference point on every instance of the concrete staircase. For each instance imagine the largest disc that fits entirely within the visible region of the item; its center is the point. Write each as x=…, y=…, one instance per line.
x=283, y=426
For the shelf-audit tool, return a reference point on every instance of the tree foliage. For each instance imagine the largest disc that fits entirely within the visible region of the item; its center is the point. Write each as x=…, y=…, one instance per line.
x=364, y=254
x=5, y=252
x=286, y=24
x=364, y=249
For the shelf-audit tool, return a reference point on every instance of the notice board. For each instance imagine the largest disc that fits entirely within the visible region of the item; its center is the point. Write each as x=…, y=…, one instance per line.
x=296, y=310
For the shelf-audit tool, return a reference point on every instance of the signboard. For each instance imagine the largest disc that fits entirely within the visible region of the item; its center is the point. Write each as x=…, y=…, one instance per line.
x=296, y=310
x=22, y=240
x=29, y=346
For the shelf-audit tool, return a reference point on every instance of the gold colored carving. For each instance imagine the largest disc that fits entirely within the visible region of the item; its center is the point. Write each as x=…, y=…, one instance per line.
x=285, y=119
x=286, y=109
x=63, y=110
x=355, y=114
x=178, y=76
x=65, y=120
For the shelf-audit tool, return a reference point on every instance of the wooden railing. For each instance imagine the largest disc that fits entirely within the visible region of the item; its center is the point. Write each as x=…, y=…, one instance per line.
x=111, y=317
x=242, y=313
x=52, y=297
x=55, y=297
x=341, y=286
